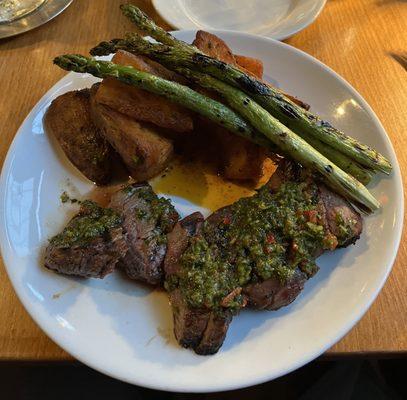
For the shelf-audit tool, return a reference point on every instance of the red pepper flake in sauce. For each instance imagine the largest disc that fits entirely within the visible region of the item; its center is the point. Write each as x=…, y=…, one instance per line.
x=270, y=239
x=226, y=220
x=311, y=216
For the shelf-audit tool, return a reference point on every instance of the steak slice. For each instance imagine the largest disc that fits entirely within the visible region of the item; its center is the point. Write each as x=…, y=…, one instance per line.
x=90, y=245
x=146, y=221
x=259, y=252
x=273, y=293
x=69, y=120
x=198, y=328
x=339, y=218
x=143, y=148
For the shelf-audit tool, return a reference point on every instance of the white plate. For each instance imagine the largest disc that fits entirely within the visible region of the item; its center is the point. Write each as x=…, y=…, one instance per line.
x=125, y=330
x=277, y=19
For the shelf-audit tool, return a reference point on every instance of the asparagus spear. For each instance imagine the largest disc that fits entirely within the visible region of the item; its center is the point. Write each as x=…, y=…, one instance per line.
x=276, y=132
x=288, y=141
x=362, y=174
x=179, y=53
x=183, y=95
x=143, y=47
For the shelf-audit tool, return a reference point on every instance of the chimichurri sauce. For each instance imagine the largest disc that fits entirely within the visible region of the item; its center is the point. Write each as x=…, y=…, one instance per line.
x=259, y=237
x=91, y=222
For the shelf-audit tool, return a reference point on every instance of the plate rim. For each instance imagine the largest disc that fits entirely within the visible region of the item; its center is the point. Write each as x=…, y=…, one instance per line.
x=169, y=20
x=64, y=344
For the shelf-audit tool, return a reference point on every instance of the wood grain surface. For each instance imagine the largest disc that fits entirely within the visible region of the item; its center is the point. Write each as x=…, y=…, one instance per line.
x=365, y=41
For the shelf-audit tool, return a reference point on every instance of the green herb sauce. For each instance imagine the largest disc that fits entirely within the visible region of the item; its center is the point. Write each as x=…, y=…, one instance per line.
x=345, y=227
x=269, y=234
x=91, y=222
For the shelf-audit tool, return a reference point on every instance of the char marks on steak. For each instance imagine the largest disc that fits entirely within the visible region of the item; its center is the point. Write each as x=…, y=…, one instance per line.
x=201, y=322
x=146, y=221
x=90, y=245
x=199, y=328
x=68, y=119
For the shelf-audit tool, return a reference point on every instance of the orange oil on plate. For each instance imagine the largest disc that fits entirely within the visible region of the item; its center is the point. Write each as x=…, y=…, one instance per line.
x=199, y=183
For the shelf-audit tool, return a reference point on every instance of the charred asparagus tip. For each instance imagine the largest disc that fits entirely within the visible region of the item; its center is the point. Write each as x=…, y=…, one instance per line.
x=105, y=48
x=71, y=62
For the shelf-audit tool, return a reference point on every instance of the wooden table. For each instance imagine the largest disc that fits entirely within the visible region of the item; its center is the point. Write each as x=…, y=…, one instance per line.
x=363, y=41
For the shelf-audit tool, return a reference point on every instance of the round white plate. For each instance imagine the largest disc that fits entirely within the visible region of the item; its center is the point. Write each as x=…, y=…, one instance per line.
x=277, y=19
x=124, y=329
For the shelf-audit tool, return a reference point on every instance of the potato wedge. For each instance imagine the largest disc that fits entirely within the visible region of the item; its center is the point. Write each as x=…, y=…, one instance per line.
x=142, y=147
x=253, y=66
x=240, y=158
x=214, y=46
x=140, y=104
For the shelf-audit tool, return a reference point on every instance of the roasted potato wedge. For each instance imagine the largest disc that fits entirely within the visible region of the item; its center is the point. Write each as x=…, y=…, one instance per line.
x=253, y=66
x=140, y=104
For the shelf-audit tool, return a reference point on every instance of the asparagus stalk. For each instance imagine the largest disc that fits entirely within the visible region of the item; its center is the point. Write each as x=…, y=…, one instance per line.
x=288, y=141
x=175, y=92
x=139, y=45
x=276, y=132
x=181, y=54
x=362, y=174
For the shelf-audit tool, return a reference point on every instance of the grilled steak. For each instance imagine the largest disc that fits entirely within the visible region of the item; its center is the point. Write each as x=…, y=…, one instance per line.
x=90, y=245
x=68, y=119
x=273, y=293
x=199, y=328
x=146, y=221
x=257, y=252
x=143, y=149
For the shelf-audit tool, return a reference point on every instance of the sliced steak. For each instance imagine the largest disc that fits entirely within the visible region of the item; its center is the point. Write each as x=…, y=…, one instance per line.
x=68, y=119
x=146, y=221
x=258, y=252
x=341, y=221
x=273, y=293
x=90, y=245
x=143, y=147
x=215, y=332
x=198, y=328
x=189, y=323
x=178, y=241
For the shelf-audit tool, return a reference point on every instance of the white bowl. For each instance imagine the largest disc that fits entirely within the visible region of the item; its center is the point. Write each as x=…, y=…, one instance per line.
x=276, y=19
x=125, y=330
